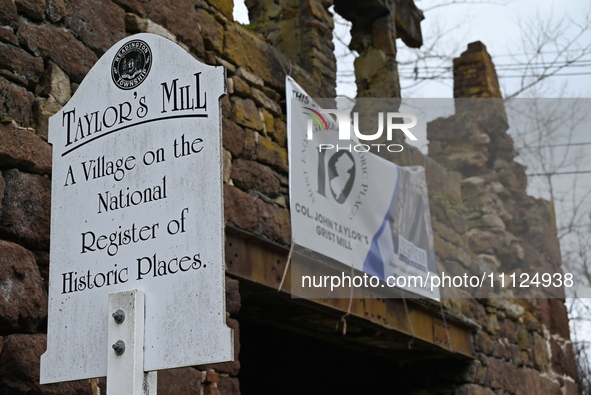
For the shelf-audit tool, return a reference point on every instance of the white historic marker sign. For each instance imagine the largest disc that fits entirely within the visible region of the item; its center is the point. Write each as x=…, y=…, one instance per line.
x=137, y=205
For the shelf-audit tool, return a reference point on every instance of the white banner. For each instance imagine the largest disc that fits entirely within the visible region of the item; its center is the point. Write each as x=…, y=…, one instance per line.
x=353, y=206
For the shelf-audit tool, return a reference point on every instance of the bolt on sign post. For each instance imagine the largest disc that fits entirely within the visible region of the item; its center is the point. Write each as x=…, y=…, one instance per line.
x=137, y=277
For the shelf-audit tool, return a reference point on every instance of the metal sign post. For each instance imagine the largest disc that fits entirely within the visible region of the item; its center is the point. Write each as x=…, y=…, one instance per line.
x=125, y=363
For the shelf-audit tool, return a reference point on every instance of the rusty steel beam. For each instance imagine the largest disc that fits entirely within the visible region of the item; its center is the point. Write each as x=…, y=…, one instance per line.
x=263, y=263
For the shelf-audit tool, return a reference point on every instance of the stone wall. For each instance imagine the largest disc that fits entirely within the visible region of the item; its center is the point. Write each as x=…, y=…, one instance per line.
x=490, y=223
x=481, y=212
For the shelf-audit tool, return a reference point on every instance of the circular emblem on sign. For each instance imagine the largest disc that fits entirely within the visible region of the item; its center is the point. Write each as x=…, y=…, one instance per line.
x=131, y=64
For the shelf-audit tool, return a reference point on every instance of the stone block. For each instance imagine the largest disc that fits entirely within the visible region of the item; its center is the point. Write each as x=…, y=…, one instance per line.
x=541, y=355
x=42, y=110
x=56, y=10
x=232, y=137
x=240, y=208
x=19, y=103
x=227, y=167
x=508, y=331
x=251, y=139
x=7, y=36
x=279, y=133
x=408, y=23
x=211, y=30
x=474, y=310
x=250, y=175
x=241, y=87
x=20, y=62
x=8, y=13
x=272, y=154
x=19, y=364
x=180, y=17
x=19, y=277
x=138, y=7
x=267, y=103
x=61, y=47
x=229, y=385
x=260, y=59
x=26, y=208
x=484, y=343
x=226, y=7
x=245, y=113
x=494, y=373
x=233, y=302
x=315, y=9
x=23, y=149
x=135, y=24
x=98, y=24
x=57, y=84
x=274, y=222
x=182, y=381
x=571, y=388
x=250, y=77
x=32, y=9
x=269, y=122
